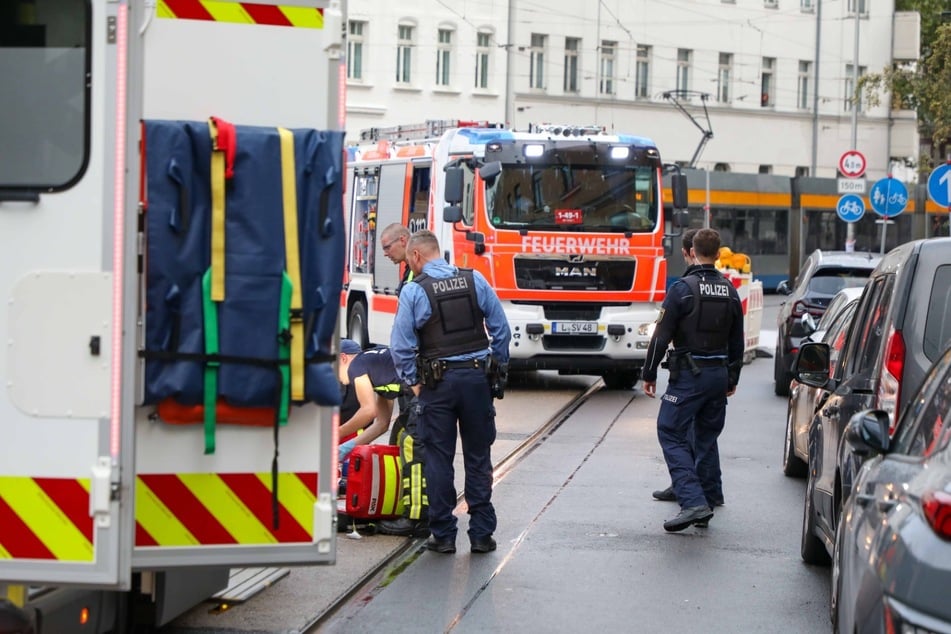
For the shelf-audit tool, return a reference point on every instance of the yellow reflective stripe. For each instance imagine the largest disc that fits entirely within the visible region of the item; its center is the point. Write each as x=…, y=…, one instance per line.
x=294, y=496
x=217, y=217
x=392, y=495
x=158, y=521
x=292, y=253
x=162, y=11
x=227, y=12
x=46, y=520
x=4, y=553
x=304, y=17
x=219, y=500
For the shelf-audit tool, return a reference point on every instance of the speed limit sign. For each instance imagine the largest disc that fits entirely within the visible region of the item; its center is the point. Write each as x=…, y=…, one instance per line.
x=852, y=164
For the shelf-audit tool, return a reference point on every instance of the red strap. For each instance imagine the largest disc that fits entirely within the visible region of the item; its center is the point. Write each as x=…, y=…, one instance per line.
x=227, y=143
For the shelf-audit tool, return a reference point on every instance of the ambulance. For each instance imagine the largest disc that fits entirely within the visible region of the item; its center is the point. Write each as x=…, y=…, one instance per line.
x=565, y=222
x=171, y=239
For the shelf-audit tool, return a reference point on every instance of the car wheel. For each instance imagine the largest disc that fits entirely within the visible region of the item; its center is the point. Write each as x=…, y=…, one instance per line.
x=620, y=379
x=357, y=324
x=780, y=373
x=835, y=597
x=811, y=548
x=793, y=465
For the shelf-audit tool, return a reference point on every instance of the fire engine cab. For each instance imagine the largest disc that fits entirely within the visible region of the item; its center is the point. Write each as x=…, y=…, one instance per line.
x=566, y=223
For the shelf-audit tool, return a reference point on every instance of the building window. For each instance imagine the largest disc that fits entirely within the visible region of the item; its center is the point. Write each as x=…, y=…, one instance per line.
x=443, y=57
x=771, y=4
x=572, y=48
x=765, y=169
x=802, y=171
x=683, y=69
x=355, y=50
x=767, y=88
x=721, y=167
x=862, y=5
x=850, y=94
x=802, y=86
x=608, y=50
x=642, y=80
x=404, y=54
x=536, y=69
x=723, y=77
x=483, y=57
x=807, y=6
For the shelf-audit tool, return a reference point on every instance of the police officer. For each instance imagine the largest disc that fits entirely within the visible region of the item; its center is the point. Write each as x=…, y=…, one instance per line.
x=703, y=317
x=450, y=341
x=686, y=244
x=405, y=434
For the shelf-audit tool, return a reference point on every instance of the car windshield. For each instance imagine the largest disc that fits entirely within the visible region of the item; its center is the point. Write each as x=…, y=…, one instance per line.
x=828, y=282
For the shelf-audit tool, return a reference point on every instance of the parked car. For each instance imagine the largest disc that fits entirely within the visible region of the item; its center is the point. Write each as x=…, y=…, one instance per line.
x=892, y=563
x=901, y=328
x=831, y=329
x=823, y=274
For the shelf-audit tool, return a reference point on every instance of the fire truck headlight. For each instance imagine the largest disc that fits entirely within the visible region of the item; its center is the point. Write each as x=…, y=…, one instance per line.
x=620, y=152
x=534, y=150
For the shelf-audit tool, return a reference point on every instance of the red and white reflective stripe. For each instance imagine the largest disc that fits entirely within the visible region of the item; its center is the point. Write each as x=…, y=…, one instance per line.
x=118, y=229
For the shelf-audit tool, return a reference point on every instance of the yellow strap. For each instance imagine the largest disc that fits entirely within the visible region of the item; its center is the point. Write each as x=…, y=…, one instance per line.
x=291, y=248
x=217, y=217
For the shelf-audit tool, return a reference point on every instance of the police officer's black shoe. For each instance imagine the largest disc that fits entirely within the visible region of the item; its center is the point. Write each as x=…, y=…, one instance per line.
x=665, y=495
x=483, y=545
x=405, y=527
x=441, y=545
x=687, y=517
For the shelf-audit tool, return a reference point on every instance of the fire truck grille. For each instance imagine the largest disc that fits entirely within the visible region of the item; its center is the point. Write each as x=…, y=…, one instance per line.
x=585, y=275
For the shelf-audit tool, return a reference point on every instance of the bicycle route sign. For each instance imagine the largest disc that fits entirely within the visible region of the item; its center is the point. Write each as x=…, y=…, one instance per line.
x=852, y=164
x=850, y=208
x=888, y=197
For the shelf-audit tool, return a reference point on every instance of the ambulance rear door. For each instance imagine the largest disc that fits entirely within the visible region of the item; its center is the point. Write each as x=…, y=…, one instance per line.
x=65, y=446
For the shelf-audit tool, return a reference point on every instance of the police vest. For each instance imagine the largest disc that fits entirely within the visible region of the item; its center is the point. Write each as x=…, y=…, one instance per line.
x=457, y=324
x=705, y=330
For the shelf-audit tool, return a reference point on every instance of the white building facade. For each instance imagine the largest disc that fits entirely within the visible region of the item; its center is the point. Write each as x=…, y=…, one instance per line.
x=764, y=86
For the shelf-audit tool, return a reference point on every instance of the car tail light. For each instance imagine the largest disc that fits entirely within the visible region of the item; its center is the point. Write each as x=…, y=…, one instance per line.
x=937, y=508
x=889, y=388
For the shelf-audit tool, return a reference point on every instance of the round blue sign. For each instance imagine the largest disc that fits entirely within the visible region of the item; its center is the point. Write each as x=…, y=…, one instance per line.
x=850, y=207
x=939, y=185
x=889, y=197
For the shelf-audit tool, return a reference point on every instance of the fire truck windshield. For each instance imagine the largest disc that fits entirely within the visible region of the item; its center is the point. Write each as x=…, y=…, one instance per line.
x=578, y=198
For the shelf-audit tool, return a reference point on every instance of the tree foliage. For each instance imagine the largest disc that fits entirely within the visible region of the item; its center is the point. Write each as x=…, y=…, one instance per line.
x=924, y=85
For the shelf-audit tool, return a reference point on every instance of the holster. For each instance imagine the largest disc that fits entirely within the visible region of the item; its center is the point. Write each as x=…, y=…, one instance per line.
x=429, y=371
x=498, y=375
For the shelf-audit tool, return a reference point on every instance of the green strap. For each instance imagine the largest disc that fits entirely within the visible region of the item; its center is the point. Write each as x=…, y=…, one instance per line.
x=284, y=345
x=210, y=312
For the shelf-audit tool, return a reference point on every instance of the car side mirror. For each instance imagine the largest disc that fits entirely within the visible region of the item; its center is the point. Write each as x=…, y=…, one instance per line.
x=490, y=171
x=867, y=432
x=811, y=366
x=783, y=288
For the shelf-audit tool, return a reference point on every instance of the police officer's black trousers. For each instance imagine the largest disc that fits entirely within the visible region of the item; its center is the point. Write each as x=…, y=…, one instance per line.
x=694, y=470
x=461, y=398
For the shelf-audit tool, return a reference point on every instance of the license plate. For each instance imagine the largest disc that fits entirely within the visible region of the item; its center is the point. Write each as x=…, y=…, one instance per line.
x=574, y=327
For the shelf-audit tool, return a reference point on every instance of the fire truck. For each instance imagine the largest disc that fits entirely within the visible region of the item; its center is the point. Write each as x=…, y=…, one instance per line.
x=565, y=222
x=172, y=239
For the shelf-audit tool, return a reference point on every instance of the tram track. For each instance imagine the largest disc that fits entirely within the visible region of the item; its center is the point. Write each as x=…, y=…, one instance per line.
x=389, y=568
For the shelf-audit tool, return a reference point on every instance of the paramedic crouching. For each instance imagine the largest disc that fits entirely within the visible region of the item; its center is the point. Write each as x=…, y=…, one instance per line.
x=441, y=350
x=703, y=317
